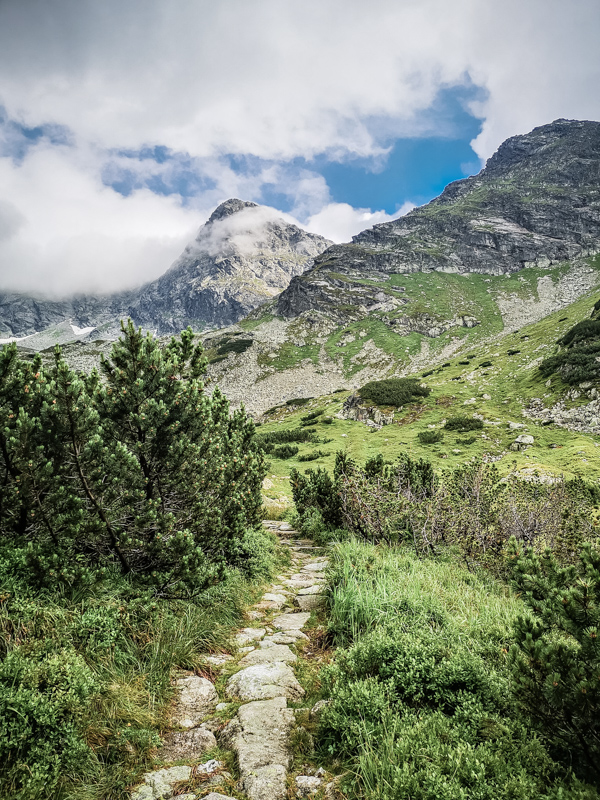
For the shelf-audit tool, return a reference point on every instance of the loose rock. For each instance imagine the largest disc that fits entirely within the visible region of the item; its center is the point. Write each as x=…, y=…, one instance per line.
x=269, y=655
x=179, y=745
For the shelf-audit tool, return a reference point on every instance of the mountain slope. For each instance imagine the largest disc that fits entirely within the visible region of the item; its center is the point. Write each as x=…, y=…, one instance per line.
x=244, y=254
x=536, y=203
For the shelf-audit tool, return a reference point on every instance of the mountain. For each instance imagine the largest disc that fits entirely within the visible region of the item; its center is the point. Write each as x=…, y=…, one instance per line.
x=243, y=255
x=535, y=204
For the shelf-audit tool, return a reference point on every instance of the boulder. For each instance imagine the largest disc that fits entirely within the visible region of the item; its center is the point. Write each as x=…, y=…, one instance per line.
x=522, y=442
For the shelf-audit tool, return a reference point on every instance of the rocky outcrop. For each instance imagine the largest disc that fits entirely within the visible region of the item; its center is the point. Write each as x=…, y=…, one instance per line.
x=244, y=255
x=536, y=203
x=354, y=408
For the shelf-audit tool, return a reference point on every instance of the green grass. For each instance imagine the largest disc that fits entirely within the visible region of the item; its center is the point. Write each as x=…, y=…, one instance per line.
x=420, y=687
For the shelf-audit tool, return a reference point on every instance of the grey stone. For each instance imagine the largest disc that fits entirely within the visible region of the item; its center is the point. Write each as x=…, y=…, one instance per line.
x=276, y=600
x=248, y=635
x=265, y=681
x=197, y=698
x=158, y=785
x=269, y=655
x=180, y=745
x=291, y=622
x=317, y=709
x=310, y=602
x=316, y=588
x=307, y=785
x=316, y=566
x=285, y=526
x=259, y=737
x=217, y=796
x=218, y=660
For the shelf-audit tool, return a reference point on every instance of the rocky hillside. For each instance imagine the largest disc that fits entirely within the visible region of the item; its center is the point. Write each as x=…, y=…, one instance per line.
x=536, y=204
x=244, y=255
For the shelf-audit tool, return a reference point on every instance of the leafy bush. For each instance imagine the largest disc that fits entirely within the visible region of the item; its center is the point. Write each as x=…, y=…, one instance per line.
x=284, y=451
x=430, y=437
x=556, y=656
x=463, y=424
x=327, y=421
x=312, y=415
x=298, y=401
x=394, y=391
x=584, y=330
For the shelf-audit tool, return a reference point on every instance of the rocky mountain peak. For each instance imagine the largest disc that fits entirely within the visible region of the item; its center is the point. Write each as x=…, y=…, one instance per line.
x=229, y=207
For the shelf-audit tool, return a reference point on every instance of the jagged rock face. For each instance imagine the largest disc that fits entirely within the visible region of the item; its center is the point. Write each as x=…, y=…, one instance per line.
x=244, y=255
x=537, y=202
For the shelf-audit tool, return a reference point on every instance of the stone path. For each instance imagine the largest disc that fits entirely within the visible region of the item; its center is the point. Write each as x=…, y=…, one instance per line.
x=263, y=680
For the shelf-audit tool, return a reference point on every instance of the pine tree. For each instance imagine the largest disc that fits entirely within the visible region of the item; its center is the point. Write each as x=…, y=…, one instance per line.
x=136, y=468
x=556, y=656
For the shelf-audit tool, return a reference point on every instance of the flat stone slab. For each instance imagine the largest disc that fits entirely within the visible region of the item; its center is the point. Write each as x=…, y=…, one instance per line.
x=158, y=785
x=218, y=660
x=269, y=655
x=309, y=602
x=265, y=681
x=291, y=622
x=289, y=637
x=197, y=699
x=217, y=796
x=316, y=588
x=180, y=745
x=316, y=566
x=248, y=636
x=259, y=737
x=276, y=600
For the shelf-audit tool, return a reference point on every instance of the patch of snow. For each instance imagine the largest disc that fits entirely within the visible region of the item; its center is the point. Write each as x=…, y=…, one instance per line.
x=81, y=331
x=16, y=339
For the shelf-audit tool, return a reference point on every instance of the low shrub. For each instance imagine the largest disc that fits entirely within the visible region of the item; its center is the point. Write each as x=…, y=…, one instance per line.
x=467, y=441
x=267, y=441
x=326, y=421
x=464, y=363
x=463, y=424
x=430, y=437
x=312, y=415
x=234, y=346
x=485, y=364
x=312, y=456
x=394, y=391
x=512, y=352
x=298, y=401
x=284, y=451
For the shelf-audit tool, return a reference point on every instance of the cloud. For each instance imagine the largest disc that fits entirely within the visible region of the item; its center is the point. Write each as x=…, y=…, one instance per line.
x=87, y=84
x=340, y=221
x=246, y=232
x=64, y=232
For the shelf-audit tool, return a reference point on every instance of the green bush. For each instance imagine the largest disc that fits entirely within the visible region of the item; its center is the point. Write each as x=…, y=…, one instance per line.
x=267, y=441
x=462, y=424
x=312, y=415
x=327, y=421
x=234, y=346
x=284, y=451
x=394, y=391
x=512, y=352
x=312, y=456
x=317, y=490
x=298, y=401
x=430, y=437
x=485, y=364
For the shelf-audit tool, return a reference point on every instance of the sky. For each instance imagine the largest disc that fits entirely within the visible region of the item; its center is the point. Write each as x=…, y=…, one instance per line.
x=124, y=123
